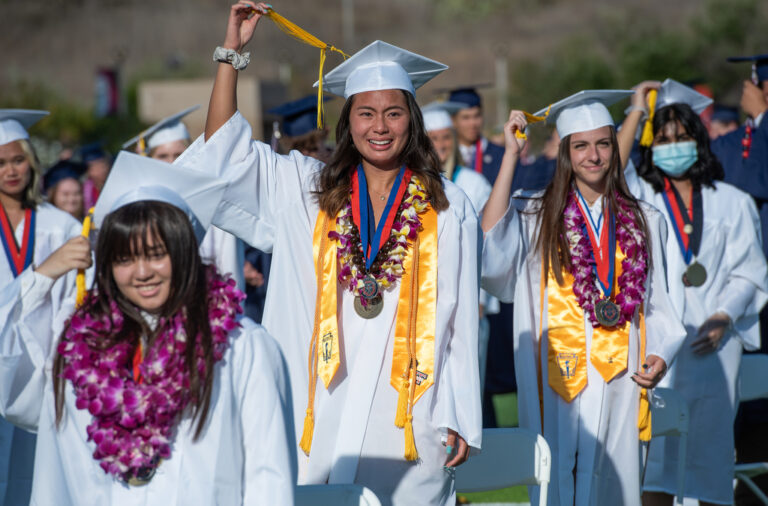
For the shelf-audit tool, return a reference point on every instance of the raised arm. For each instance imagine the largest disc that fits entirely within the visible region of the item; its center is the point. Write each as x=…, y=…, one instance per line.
x=499, y=200
x=243, y=18
x=638, y=109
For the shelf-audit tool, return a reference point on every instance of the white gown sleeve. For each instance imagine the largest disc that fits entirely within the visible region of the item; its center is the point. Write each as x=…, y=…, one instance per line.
x=26, y=338
x=664, y=330
x=266, y=415
x=746, y=290
x=261, y=182
x=226, y=252
x=504, y=251
x=458, y=397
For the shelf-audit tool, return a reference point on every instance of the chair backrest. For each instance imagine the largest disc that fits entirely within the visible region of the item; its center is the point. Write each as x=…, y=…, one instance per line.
x=335, y=495
x=669, y=413
x=509, y=457
x=753, y=377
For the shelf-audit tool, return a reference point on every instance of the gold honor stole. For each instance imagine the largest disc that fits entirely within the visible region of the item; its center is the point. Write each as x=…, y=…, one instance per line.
x=413, y=358
x=567, y=349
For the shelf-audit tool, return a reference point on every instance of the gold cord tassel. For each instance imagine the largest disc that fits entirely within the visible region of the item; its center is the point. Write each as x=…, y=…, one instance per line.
x=647, y=138
x=309, y=428
x=80, y=278
x=402, y=404
x=410, y=444
x=303, y=36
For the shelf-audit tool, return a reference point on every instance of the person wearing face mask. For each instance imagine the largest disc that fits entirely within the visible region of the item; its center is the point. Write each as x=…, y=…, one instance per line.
x=717, y=278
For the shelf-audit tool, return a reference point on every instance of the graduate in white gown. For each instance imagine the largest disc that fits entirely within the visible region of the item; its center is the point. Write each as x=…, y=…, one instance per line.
x=166, y=140
x=129, y=407
x=386, y=383
x=31, y=231
x=439, y=127
x=718, y=283
x=584, y=264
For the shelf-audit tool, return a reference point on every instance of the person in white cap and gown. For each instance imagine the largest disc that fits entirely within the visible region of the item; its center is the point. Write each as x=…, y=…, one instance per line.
x=439, y=127
x=584, y=263
x=125, y=412
x=381, y=347
x=166, y=140
x=31, y=231
x=717, y=278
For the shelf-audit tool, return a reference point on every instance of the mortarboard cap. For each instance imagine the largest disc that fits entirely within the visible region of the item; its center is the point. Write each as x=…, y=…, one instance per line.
x=299, y=116
x=381, y=66
x=15, y=122
x=444, y=105
x=436, y=119
x=63, y=169
x=760, y=61
x=468, y=97
x=724, y=113
x=583, y=111
x=672, y=92
x=166, y=130
x=93, y=151
x=135, y=178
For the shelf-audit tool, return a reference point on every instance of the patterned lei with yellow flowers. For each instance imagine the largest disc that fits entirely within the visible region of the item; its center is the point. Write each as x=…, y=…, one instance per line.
x=387, y=268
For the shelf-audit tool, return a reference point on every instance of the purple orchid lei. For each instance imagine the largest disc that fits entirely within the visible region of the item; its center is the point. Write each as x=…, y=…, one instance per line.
x=388, y=266
x=133, y=422
x=634, y=267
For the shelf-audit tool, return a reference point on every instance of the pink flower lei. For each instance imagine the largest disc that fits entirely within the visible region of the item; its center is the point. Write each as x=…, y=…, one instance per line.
x=634, y=267
x=133, y=423
x=388, y=266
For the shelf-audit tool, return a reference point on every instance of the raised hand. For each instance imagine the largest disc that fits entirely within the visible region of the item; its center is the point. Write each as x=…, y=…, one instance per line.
x=639, y=99
x=516, y=123
x=73, y=254
x=243, y=18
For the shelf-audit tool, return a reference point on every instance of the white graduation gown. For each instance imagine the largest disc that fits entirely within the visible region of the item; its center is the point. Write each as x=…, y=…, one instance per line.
x=243, y=456
x=269, y=203
x=737, y=284
x=53, y=228
x=600, y=424
x=226, y=252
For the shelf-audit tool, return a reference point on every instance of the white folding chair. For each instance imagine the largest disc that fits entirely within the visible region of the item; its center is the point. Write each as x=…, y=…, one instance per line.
x=669, y=417
x=335, y=495
x=753, y=384
x=509, y=457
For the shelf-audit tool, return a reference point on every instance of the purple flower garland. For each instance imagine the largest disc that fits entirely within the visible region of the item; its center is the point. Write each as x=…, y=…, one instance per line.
x=133, y=423
x=634, y=267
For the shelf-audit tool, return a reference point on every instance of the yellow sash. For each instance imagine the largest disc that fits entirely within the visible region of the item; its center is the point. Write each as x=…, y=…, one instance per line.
x=567, y=351
x=414, y=347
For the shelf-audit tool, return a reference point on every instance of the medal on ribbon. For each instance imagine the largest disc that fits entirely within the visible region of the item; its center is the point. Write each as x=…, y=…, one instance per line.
x=603, y=245
x=688, y=225
x=19, y=258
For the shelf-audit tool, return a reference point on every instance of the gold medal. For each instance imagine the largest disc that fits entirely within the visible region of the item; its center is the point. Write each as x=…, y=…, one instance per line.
x=143, y=475
x=695, y=275
x=607, y=313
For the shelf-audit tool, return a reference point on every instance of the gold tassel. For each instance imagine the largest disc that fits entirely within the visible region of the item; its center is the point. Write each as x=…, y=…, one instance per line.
x=647, y=138
x=80, y=278
x=143, y=147
x=309, y=428
x=530, y=118
x=410, y=444
x=402, y=405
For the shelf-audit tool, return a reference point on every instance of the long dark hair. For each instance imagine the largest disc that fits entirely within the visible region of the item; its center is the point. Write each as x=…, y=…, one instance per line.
x=551, y=241
x=335, y=180
x=123, y=235
x=707, y=167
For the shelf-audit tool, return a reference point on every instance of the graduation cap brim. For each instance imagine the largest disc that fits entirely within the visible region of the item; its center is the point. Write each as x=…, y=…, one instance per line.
x=170, y=120
x=25, y=117
x=447, y=106
x=606, y=97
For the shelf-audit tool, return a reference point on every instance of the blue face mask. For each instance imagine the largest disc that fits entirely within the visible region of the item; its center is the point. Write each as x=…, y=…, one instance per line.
x=675, y=158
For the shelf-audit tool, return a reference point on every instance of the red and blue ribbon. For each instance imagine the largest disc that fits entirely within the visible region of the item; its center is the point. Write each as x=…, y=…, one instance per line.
x=19, y=258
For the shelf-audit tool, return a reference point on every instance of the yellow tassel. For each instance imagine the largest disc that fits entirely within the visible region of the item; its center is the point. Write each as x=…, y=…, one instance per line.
x=304, y=36
x=309, y=428
x=410, y=444
x=647, y=138
x=402, y=405
x=530, y=118
x=80, y=278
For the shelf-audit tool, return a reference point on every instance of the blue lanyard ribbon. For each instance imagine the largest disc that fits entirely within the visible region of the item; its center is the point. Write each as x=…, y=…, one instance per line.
x=371, y=246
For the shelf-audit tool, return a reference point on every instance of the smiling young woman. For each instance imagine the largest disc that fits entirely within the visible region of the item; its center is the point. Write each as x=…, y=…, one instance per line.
x=373, y=285
x=30, y=231
x=718, y=283
x=154, y=390
x=584, y=263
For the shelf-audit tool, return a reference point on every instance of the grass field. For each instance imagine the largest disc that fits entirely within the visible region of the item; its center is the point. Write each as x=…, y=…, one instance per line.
x=506, y=416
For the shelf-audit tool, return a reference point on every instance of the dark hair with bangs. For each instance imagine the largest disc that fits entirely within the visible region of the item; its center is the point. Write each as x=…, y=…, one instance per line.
x=335, y=180
x=124, y=235
x=707, y=167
